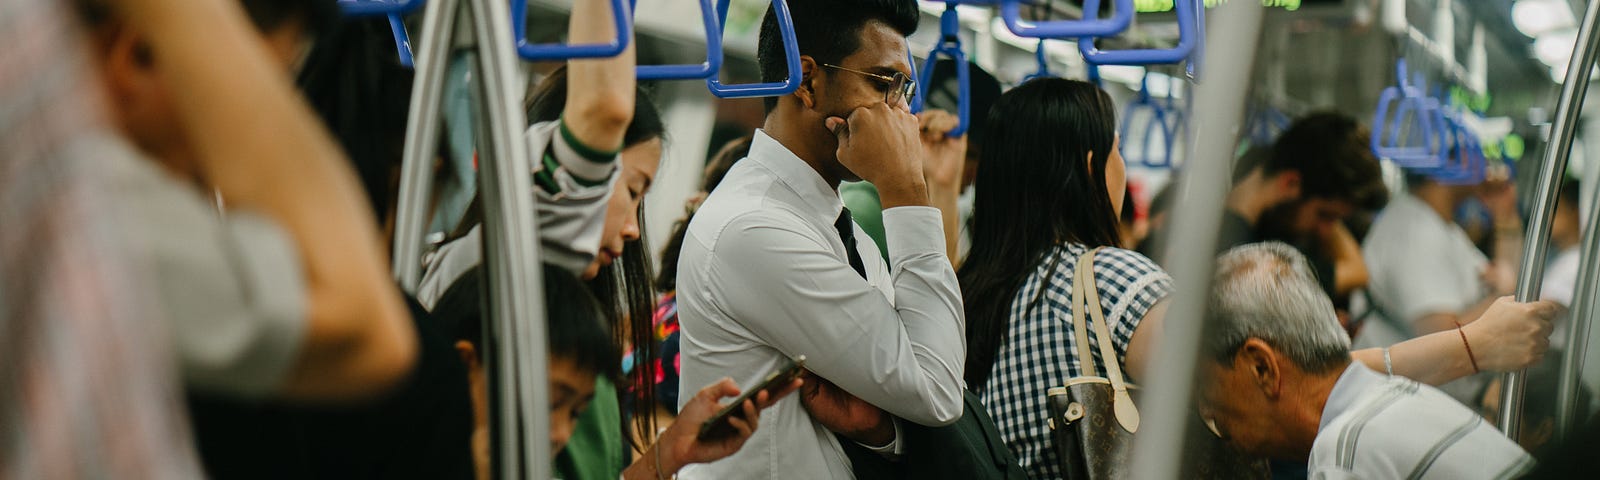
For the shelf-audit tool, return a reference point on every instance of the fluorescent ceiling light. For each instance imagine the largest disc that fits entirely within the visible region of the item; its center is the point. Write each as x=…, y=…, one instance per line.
x=1537, y=17
x=1555, y=48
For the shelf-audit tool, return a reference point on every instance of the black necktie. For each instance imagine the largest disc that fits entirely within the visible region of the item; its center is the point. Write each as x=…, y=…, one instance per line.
x=847, y=233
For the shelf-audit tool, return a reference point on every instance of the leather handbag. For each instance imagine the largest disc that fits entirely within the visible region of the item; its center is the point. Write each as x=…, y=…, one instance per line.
x=1093, y=419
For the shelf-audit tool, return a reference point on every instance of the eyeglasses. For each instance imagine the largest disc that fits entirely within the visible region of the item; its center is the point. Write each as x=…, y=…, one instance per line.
x=900, y=85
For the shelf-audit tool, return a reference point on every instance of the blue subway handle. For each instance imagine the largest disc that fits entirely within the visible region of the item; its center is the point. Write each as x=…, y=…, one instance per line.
x=373, y=8
x=1044, y=64
x=1198, y=58
x=1158, y=118
x=1422, y=149
x=791, y=53
x=1466, y=167
x=707, y=69
x=620, y=13
x=1188, y=37
x=949, y=46
x=1090, y=26
x=402, y=40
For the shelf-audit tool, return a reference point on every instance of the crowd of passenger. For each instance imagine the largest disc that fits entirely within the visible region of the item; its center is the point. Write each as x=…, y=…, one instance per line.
x=194, y=279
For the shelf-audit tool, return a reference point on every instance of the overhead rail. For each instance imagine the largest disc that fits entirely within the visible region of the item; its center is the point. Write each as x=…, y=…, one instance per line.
x=621, y=13
x=791, y=53
x=1090, y=26
x=707, y=69
x=1189, y=33
x=950, y=46
x=394, y=10
x=1569, y=110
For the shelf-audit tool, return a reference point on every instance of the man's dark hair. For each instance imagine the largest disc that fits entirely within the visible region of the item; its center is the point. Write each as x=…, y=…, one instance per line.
x=577, y=330
x=319, y=16
x=943, y=92
x=828, y=31
x=1331, y=152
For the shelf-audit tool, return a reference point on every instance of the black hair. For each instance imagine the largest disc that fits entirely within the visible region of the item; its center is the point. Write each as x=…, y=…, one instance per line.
x=1332, y=153
x=319, y=16
x=573, y=319
x=354, y=81
x=1034, y=191
x=730, y=153
x=549, y=98
x=1258, y=156
x=943, y=92
x=628, y=299
x=828, y=31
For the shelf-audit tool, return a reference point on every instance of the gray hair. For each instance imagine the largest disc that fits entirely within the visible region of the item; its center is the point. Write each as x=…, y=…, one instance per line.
x=1267, y=291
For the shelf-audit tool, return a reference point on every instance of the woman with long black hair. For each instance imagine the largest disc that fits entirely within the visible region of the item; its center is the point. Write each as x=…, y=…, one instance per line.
x=1050, y=188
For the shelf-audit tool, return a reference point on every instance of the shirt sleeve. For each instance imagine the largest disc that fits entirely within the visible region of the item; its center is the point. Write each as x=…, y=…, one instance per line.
x=906, y=358
x=572, y=183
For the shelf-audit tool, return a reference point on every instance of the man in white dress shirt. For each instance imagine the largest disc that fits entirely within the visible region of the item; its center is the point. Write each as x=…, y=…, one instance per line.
x=773, y=268
x=1282, y=384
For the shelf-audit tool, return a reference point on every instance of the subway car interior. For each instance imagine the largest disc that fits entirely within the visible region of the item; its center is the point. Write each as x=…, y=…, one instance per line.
x=799, y=239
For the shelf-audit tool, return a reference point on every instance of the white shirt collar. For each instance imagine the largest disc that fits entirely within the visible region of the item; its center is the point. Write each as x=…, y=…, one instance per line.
x=819, y=197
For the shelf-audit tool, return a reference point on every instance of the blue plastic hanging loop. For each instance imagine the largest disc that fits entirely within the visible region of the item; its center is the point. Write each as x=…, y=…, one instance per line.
x=1090, y=26
x=620, y=14
x=707, y=69
x=791, y=53
x=1044, y=63
x=1421, y=145
x=402, y=40
x=1157, y=124
x=949, y=46
x=373, y=8
x=1189, y=32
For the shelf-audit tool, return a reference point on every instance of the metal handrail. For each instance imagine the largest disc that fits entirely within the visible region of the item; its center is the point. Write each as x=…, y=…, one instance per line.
x=1202, y=186
x=791, y=52
x=1090, y=26
x=1584, y=305
x=950, y=46
x=533, y=52
x=1569, y=110
x=1189, y=33
x=706, y=69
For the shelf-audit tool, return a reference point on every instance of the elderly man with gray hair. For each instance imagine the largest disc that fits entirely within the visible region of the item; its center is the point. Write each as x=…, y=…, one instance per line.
x=1281, y=383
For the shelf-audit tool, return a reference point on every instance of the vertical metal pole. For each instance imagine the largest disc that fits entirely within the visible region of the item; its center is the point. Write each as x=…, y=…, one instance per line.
x=1568, y=111
x=422, y=139
x=1218, y=113
x=1583, y=309
x=511, y=248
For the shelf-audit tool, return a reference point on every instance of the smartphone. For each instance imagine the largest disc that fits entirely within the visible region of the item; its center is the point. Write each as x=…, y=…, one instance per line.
x=718, y=427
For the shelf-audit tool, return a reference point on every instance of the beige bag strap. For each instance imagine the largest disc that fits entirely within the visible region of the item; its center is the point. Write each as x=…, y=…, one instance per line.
x=1080, y=325
x=1127, y=414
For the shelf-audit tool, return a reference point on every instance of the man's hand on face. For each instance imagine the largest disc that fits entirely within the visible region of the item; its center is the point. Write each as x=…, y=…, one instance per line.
x=882, y=145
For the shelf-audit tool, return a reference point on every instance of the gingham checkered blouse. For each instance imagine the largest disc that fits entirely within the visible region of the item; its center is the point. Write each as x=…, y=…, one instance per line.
x=1037, y=353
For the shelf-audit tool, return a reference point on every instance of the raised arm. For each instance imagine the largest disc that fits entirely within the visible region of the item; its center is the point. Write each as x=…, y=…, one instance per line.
x=600, y=96
x=264, y=150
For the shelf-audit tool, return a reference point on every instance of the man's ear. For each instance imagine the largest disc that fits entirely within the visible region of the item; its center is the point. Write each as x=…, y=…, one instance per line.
x=810, y=79
x=126, y=62
x=1260, y=360
x=1288, y=183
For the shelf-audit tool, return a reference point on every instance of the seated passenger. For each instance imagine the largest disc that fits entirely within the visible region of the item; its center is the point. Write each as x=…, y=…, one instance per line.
x=581, y=352
x=285, y=293
x=1024, y=251
x=1282, y=383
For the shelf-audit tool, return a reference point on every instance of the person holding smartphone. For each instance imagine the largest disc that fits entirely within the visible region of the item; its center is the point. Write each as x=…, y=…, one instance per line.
x=773, y=266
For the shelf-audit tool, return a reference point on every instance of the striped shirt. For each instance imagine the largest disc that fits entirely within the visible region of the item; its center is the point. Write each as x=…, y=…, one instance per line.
x=1037, y=353
x=1391, y=427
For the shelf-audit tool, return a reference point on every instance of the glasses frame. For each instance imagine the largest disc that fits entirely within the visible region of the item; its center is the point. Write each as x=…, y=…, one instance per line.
x=907, y=90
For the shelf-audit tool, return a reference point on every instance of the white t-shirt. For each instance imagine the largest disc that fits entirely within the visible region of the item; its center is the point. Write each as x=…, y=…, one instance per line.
x=1420, y=264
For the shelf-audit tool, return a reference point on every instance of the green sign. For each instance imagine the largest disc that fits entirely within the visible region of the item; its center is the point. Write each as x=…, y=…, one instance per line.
x=1148, y=6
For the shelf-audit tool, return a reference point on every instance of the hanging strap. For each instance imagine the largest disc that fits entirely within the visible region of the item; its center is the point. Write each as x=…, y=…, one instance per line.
x=1086, y=298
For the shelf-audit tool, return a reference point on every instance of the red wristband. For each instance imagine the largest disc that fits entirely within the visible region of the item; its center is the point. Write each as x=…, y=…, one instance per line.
x=1470, y=357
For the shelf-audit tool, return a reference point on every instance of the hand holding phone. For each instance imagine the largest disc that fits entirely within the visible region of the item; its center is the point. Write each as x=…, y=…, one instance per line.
x=718, y=427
